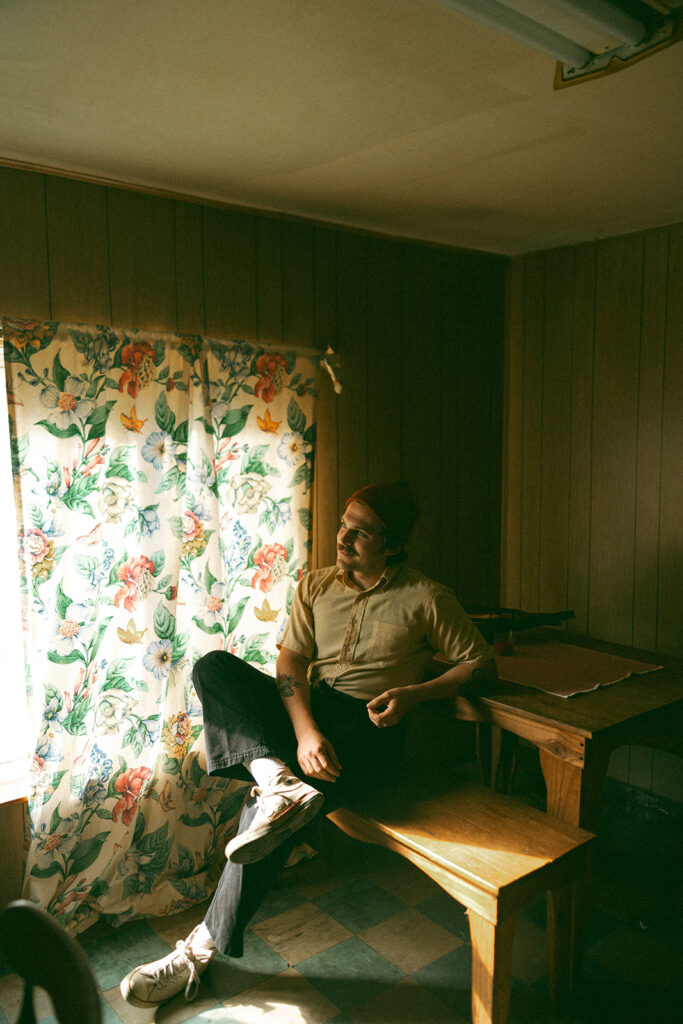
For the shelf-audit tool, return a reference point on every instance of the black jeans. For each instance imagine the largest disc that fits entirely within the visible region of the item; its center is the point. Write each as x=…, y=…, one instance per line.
x=244, y=718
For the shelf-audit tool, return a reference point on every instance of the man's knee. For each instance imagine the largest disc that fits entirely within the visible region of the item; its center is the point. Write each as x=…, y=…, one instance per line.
x=211, y=668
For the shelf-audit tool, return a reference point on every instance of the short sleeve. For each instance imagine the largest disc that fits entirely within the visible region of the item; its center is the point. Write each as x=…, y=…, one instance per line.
x=452, y=634
x=299, y=634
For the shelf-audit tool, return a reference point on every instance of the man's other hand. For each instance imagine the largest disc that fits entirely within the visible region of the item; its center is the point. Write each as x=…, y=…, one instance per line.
x=390, y=707
x=317, y=758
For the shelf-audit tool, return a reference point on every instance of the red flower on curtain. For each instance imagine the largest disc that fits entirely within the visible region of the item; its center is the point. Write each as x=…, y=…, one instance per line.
x=271, y=565
x=273, y=370
x=135, y=574
x=138, y=359
x=129, y=785
x=163, y=519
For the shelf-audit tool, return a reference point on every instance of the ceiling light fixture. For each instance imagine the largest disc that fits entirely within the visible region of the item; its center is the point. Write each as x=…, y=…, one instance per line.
x=657, y=27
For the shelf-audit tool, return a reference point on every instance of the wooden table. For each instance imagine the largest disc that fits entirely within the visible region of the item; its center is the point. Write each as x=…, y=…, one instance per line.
x=576, y=735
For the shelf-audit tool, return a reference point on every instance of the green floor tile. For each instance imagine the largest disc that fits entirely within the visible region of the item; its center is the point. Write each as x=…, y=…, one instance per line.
x=228, y=976
x=349, y=973
x=277, y=902
x=449, y=978
x=117, y=951
x=447, y=912
x=360, y=905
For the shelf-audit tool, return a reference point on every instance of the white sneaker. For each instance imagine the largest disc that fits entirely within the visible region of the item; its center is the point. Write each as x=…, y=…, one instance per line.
x=162, y=979
x=286, y=806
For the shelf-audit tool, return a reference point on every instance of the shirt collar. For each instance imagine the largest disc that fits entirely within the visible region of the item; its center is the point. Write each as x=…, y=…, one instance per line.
x=386, y=579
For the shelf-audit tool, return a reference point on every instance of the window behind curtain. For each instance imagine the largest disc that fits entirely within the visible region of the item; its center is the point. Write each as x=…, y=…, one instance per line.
x=14, y=746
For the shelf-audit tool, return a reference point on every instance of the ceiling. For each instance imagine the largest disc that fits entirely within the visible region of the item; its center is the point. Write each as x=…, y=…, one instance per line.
x=404, y=117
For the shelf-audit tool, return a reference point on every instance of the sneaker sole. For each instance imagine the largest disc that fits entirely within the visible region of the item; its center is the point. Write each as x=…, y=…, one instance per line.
x=257, y=846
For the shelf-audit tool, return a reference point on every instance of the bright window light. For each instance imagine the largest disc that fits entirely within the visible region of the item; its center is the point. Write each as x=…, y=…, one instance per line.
x=14, y=750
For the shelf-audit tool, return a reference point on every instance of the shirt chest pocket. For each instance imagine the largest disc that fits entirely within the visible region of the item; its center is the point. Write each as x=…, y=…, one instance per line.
x=390, y=642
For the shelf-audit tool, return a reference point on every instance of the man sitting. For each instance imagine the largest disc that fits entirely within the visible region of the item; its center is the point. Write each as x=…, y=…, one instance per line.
x=332, y=723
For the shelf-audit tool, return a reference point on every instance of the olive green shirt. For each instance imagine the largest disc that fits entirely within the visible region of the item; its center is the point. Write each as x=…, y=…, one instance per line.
x=363, y=642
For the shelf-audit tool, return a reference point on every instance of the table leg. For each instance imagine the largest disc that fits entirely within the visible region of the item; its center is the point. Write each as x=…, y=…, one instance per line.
x=573, y=794
x=497, y=756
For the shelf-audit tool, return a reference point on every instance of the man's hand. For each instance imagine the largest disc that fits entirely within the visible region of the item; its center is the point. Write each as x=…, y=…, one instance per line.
x=390, y=707
x=315, y=753
x=317, y=758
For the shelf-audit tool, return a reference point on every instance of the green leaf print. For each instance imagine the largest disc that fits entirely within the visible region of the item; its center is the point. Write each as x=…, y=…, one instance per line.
x=164, y=623
x=59, y=374
x=295, y=417
x=86, y=853
x=164, y=415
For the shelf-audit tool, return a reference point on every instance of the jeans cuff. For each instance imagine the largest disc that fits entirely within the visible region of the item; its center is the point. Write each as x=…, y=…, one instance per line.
x=231, y=760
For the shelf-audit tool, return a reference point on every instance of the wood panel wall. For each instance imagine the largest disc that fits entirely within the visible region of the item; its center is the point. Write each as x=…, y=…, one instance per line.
x=593, y=449
x=13, y=824
x=419, y=331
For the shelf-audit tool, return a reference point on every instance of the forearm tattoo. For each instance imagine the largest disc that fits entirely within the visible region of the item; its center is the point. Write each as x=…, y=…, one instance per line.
x=286, y=685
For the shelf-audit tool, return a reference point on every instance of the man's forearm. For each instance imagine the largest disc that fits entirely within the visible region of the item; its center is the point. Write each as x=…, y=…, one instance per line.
x=294, y=689
x=448, y=683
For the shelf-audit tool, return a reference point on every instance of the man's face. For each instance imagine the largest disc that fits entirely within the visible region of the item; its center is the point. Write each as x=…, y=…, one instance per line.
x=360, y=546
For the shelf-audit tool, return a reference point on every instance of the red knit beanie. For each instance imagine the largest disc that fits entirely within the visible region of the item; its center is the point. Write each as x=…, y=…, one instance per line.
x=395, y=507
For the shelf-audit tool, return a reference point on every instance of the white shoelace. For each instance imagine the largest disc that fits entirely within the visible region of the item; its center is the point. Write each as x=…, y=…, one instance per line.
x=269, y=804
x=183, y=952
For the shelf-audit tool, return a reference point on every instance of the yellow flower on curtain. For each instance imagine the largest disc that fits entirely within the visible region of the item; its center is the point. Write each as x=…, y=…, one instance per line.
x=154, y=515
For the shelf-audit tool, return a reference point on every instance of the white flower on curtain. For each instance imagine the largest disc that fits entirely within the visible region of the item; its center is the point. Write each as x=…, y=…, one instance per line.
x=163, y=494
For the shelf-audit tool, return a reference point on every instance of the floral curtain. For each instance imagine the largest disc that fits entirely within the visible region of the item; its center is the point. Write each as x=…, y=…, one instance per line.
x=163, y=487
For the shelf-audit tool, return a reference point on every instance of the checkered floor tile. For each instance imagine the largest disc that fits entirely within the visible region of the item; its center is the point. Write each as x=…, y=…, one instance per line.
x=367, y=939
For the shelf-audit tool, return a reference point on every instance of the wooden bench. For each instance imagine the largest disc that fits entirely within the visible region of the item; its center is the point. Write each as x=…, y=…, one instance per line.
x=494, y=855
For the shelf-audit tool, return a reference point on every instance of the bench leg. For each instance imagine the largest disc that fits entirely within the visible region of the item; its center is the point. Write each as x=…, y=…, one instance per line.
x=562, y=952
x=491, y=966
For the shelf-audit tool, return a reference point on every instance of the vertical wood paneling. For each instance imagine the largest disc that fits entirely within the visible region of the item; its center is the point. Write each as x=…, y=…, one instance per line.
x=298, y=306
x=189, y=272
x=13, y=825
x=327, y=498
x=447, y=515
x=640, y=764
x=386, y=404
x=24, y=275
x=141, y=261
x=667, y=775
x=532, y=405
x=418, y=330
x=609, y=436
x=230, y=274
x=581, y=468
x=269, y=280
x=77, y=229
x=649, y=438
x=670, y=594
x=477, y=400
x=494, y=317
x=624, y=557
x=618, y=764
x=555, y=429
x=352, y=343
x=615, y=409
x=422, y=464
x=511, y=581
